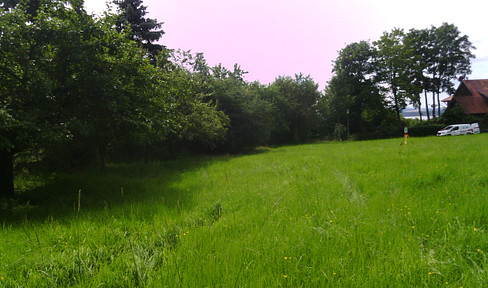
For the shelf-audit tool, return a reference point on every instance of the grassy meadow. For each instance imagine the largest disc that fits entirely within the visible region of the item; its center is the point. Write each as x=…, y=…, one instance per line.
x=351, y=214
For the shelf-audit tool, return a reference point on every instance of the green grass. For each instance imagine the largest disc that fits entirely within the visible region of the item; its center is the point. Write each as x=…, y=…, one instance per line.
x=356, y=214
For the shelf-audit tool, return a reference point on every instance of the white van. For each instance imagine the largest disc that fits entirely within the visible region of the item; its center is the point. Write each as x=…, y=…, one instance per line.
x=459, y=129
x=476, y=128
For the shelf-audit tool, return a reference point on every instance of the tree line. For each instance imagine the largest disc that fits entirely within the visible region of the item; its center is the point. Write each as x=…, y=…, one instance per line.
x=76, y=87
x=380, y=78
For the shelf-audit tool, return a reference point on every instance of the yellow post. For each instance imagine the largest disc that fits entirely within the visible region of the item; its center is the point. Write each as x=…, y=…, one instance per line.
x=404, y=141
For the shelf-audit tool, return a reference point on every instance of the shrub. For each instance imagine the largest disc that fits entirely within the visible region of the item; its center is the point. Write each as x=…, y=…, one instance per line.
x=425, y=130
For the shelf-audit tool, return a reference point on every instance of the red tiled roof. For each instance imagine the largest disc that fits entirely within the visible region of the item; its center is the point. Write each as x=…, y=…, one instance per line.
x=472, y=96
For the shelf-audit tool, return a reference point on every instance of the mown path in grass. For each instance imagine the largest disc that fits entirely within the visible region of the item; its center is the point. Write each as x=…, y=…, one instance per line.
x=355, y=214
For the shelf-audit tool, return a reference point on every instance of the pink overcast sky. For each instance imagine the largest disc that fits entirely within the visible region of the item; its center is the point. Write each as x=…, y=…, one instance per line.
x=269, y=38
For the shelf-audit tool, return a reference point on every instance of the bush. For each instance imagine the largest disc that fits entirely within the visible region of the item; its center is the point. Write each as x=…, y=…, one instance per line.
x=425, y=130
x=456, y=115
x=381, y=132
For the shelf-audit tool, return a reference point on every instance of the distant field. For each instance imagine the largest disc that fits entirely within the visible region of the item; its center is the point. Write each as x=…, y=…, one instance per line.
x=352, y=214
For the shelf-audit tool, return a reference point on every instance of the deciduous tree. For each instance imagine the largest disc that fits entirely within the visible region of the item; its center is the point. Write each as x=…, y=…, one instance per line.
x=352, y=87
x=452, y=58
x=28, y=108
x=395, y=59
x=67, y=77
x=187, y=115
x=300, y=96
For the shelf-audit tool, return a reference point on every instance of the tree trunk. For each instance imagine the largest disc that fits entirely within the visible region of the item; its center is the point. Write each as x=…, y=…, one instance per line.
x=433, y=105
x=397, y=108
x=427, y=106
x=420, y=113
x=6, y=174
x=439, y=104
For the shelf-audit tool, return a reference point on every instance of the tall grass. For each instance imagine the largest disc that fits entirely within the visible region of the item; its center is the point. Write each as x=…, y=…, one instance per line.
x=355, y=214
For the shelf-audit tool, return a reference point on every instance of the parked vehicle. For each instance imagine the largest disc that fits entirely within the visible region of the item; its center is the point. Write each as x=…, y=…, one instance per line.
x=476, y=128
x=459, y=129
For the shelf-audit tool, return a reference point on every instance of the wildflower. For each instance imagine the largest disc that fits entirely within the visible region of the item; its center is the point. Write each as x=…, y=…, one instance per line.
x=1, y=278
x=475, y=229
x=430, y=273
x=285, y=276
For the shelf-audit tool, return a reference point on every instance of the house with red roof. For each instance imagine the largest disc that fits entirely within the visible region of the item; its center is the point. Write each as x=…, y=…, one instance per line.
x=471, y=96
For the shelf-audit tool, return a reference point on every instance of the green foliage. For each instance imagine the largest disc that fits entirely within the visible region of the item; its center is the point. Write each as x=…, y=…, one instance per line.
x=25, y=82
x=456, y=115
x=187, y=115
x=425, y=130
x=267, y=120
x=453, y=55
x=445, y=55
x=29, y=108
x=395, y=61
x=245, y=111
x=104, y=85
x=131, y=19
x=297, y=102
x=353, y=88
x=73, y=87
x=258, y=114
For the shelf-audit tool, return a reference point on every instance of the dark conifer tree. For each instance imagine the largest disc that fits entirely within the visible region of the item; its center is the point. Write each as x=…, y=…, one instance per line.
x=144, y=31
